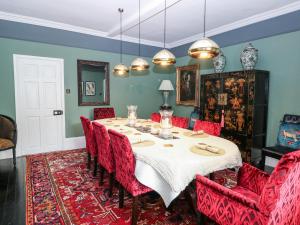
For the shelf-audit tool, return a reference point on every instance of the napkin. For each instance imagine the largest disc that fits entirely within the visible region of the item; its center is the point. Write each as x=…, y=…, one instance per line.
x=209, y=148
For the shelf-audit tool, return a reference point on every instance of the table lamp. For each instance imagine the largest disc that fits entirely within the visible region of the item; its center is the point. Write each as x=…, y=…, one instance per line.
x=166, y=86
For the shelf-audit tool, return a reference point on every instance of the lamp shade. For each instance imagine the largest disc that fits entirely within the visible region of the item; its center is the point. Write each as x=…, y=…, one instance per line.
x=164, y=58
x=204, y=48
x=166, y=85
x=139, y=64
x=121, y=70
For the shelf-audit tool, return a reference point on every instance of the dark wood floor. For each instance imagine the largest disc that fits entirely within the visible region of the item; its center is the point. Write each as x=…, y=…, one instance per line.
x=12, y=192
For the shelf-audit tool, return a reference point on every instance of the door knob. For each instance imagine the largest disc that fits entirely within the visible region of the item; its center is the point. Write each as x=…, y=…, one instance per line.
x=57, y=112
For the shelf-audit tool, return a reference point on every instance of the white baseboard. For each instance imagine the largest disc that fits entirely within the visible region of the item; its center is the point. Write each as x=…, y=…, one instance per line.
x=69, y=143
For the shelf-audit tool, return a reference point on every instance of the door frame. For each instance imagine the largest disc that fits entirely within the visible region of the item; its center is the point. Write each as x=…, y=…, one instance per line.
x=16, y=57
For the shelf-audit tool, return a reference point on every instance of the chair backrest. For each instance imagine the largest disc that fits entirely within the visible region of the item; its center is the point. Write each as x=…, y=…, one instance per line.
x=89, y=135
x=105, y=154
x=103, y=113
x=155, y=117
x=8, y=128
x=181, y=122
x=208, y=127
x=124, y=159
x=281, y=194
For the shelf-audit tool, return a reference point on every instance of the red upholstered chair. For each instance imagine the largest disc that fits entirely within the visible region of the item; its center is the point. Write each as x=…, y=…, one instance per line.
x=208, y=127
x=103, y=113
x=90, y=142
x=258, y=198
x=125, y=166
x=181, y=122
x=155, y=117
x=105, y=155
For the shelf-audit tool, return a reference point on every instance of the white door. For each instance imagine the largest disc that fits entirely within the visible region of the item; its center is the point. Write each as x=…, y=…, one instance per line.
x=39, y=96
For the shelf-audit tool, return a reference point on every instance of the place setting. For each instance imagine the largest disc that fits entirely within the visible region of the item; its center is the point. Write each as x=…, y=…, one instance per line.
x=207, y=150
x=196, y=134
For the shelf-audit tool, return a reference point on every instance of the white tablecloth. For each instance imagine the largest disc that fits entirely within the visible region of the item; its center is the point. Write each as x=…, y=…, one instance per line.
x=168, y=170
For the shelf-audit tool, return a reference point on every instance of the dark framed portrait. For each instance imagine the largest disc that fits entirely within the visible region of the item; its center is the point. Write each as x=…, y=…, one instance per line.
x=90, y=88
x=187, y=85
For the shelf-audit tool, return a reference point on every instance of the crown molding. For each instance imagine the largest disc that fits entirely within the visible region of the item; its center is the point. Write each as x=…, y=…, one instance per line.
x=241, y=23
x=68, y=27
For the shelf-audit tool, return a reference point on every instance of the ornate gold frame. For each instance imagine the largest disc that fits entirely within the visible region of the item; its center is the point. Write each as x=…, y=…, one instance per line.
x=195, y=102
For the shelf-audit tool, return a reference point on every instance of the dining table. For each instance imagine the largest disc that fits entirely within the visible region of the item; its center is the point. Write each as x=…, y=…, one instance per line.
x=169, y=165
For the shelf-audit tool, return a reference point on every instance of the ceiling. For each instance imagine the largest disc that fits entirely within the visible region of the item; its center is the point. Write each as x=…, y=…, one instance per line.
x=184, y=17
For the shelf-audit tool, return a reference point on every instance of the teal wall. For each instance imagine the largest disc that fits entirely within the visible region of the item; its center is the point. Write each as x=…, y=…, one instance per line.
x=139, y=89
x=278, y=54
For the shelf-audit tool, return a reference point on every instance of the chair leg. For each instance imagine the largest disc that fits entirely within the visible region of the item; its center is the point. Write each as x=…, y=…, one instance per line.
x=200, y=218
x=134, y=213
x=89, y=160
x=101, y=175
x=111, y=183
x=121, y=196
x=95, y=166
x=14, y=156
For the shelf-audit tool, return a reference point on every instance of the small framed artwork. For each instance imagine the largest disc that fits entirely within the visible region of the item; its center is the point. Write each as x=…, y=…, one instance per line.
x=90, y=88
x=187, y=85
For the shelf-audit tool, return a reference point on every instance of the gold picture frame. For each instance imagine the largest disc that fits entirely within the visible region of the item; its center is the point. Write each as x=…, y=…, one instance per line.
x=187, y=85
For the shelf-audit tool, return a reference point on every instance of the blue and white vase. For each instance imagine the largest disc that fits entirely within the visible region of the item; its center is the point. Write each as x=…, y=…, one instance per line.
x=219, y=62
x=249, y=57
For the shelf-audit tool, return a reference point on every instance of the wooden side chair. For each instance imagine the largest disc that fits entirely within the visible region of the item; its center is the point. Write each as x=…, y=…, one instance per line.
x=125, y=166
x=103, y=113
x=155, y=117
x=90, y=142
x=8, y=135
x=181, y=122
x=106, y=159
x=208, y=127
x=258, y=198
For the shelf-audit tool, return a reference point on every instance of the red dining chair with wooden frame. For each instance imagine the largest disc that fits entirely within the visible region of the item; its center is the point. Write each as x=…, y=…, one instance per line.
x=125, y=166
x=106, y=159
x=208, y=127
x=155, y=117
x=258, y=198
x=181, y=122
x=90, y=142
x=103, y=113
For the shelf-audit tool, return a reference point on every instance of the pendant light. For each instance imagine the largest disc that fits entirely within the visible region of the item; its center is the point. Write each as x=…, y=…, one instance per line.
x=121, y=69
x=204, y=48
x=139, y=64
x=164, y=57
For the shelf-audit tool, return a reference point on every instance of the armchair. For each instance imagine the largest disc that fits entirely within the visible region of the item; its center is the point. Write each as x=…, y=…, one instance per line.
x=258, y=198
x=8, y=135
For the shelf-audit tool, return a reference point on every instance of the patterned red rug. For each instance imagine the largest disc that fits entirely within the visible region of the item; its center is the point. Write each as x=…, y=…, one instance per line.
x=60, y=190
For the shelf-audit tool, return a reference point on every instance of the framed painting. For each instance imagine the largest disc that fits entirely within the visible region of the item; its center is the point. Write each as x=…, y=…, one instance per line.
x=90, y=88
x=187, y=85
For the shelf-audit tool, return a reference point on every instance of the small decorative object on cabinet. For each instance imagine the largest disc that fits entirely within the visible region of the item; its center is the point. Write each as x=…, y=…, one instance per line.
x=243, y=95
x=249, y=57
x=219, y=62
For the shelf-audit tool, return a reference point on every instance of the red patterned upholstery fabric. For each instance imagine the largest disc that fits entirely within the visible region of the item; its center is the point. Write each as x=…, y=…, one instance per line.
x=105, y=154
x=208, y=127
x=103, y=113
x=258, y=198
x=155, y=117
x=89, y=136
x=125, y=164
x=181, y=122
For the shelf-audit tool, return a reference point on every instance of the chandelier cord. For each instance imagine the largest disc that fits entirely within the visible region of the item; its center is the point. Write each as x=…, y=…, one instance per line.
x=165, y=23
x=204, y=20
x=139, y=27
x=121, y=40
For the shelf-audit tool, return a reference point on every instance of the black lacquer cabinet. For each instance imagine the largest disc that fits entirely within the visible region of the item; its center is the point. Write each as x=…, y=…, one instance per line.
x=242, y=96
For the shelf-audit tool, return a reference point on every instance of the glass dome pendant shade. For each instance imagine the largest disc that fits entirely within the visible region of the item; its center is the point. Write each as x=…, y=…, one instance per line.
x=164, y=57
x=121, y=69
x=204, y=48
x=139, y=64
